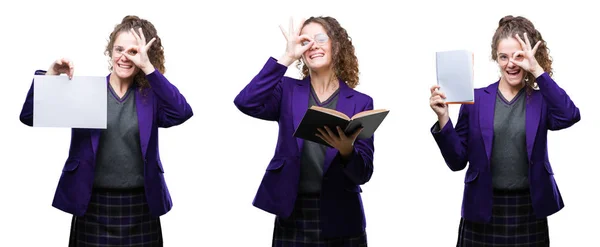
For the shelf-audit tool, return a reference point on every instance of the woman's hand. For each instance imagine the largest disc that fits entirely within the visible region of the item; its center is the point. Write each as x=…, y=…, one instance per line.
x=138, y=54
x=344, y=144
x=61, y=66
x=296, y=44
x=526, y=58
x=439, y=106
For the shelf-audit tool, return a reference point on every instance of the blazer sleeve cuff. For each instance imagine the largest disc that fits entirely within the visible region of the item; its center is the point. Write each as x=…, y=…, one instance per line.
x=158, y=81
x=436, y=131
x=273, y=63
x=345, y=161
x=153, y=76
x=543, y=79
x=355, y=167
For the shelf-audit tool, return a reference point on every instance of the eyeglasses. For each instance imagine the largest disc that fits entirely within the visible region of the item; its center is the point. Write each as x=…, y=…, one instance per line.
x=504, y=58
x=118, y=50
x=319, y=38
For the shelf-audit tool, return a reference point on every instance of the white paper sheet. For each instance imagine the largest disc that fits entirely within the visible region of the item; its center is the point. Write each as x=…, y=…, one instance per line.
x=76, y=103
x=455, y=75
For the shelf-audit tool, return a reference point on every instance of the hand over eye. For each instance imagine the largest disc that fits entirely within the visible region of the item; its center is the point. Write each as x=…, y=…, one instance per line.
x=138, y=54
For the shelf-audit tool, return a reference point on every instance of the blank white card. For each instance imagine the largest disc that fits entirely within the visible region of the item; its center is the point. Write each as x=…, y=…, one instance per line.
x=76, y=103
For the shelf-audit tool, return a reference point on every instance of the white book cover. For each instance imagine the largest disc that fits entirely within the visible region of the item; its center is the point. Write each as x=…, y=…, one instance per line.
x=455, y=76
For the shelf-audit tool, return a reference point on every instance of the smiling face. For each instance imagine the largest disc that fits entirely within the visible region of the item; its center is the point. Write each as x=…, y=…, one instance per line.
x=511, y=73
x=123, y=68
x=319, y=56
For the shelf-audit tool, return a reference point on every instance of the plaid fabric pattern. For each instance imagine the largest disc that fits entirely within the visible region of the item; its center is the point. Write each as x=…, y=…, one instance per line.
x=513, y=224
x=302, y=228
x=116, y=218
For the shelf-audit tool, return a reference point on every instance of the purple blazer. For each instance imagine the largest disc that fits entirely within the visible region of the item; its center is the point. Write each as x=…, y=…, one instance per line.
x=548, y=108
x=160, y=106
x=273, y=97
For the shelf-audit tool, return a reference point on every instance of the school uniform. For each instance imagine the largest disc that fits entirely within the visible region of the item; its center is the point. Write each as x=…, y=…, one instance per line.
x=112, y=181
x=312, y=190
x=510, y=188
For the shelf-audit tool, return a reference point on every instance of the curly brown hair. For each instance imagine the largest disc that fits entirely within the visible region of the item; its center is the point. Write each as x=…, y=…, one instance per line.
x=345, y=63
x=155, y=52
x=508, y=26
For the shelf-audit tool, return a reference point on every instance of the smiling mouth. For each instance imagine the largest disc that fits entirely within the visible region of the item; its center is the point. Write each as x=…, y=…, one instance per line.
x=513, y=73
x=125, y=66
x=317, y=55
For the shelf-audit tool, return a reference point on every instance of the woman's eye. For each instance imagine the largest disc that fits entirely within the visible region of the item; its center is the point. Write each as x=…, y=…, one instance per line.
x=321, y=38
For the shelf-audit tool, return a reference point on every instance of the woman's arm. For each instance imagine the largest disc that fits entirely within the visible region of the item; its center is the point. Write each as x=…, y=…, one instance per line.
x=262, y=96
x=173, y=108
x=26, y=115
x=452, y=142
x=358, y=166
x=562, y=112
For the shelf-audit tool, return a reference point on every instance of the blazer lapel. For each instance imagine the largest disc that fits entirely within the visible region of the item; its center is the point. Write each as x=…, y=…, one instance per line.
x=532, y=119
x=144, y=113
x=95, y=133
x=95, y=138
x=486, y=117
x=344, y=105
x=300, y=104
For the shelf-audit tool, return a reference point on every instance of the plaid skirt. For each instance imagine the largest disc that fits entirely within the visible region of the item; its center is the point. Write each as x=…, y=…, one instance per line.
x=513, y=224
x=302, y=228
x=116, y=218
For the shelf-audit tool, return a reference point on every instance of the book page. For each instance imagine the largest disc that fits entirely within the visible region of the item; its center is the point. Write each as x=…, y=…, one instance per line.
x=367, y=113
x=330, y=112
x=455, y=76
x=76, y=103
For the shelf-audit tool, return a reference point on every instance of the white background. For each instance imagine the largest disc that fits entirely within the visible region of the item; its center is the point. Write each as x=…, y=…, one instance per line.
x=213, y=165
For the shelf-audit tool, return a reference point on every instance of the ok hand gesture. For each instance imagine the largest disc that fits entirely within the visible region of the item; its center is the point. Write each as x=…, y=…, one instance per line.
x=526, y=58
x=138, y=54
x=296, y=45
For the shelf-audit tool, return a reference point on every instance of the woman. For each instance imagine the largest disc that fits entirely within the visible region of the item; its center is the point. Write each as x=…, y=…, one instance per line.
x=112, y=181
x=509, y=184
x=312, y=189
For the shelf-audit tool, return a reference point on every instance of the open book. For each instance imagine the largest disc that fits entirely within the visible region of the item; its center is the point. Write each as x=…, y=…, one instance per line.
x=319, y=117
x=455, y=76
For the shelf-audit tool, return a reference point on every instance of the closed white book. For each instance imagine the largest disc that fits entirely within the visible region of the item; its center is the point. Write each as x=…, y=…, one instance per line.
x=455, y=76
